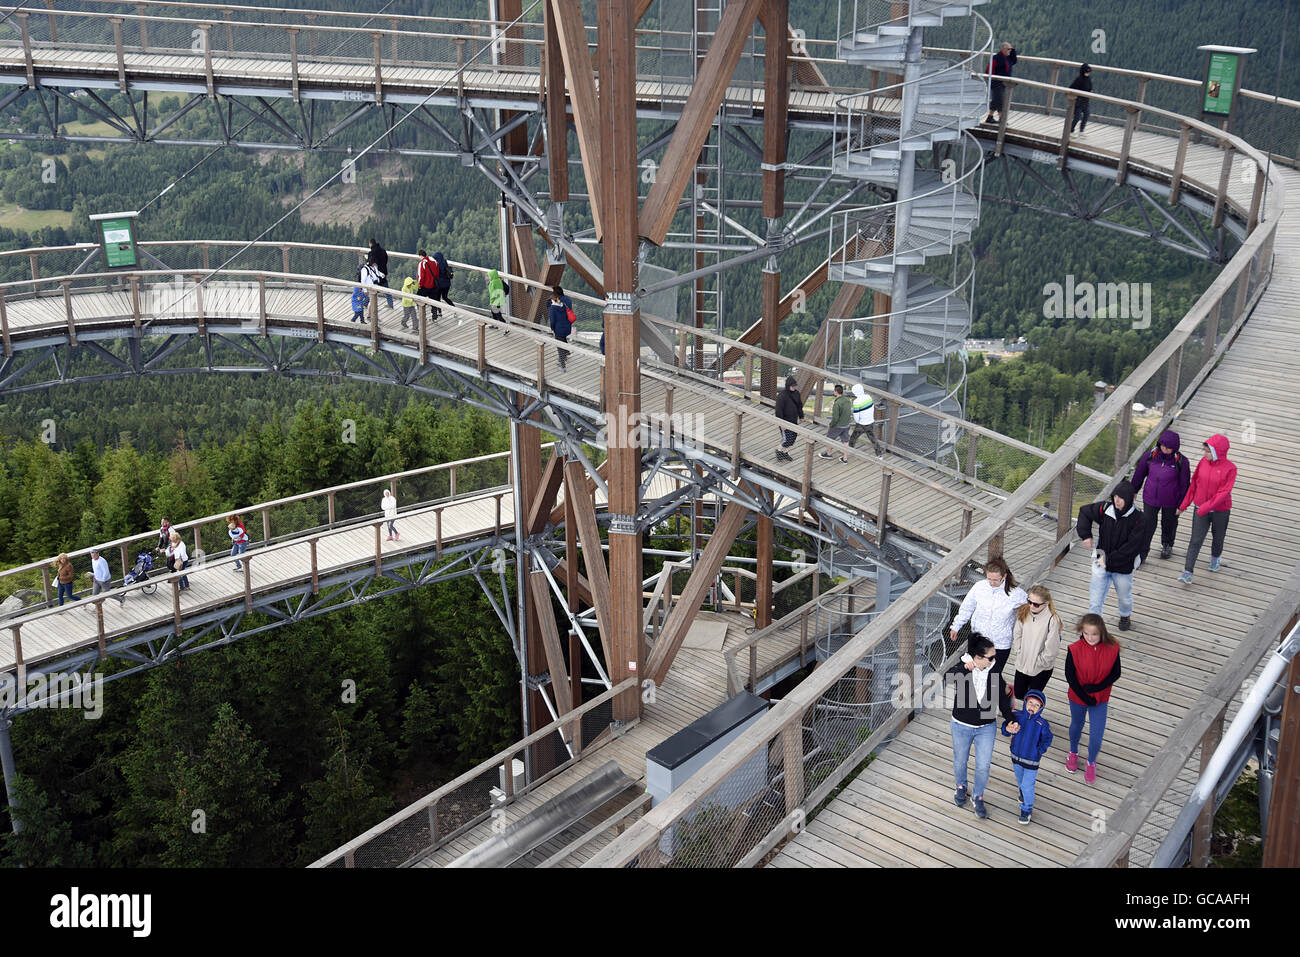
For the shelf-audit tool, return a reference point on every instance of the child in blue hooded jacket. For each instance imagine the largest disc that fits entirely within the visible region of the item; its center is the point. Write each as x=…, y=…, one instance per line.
x=359, y=302
x=1031, y=736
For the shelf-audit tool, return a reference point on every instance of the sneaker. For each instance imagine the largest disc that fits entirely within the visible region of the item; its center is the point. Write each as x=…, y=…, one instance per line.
x=1167, y=552
x=1025, y=817
x=989, y=118
x=389, y=539
x=1214, y=564
x=981, y=812
x=959, y=798
x=397, y=535
x=825, y=455
x=1125, y=623
x=1071, y=762
x=1090, y=773
x=1185, y=578
x=844, y=460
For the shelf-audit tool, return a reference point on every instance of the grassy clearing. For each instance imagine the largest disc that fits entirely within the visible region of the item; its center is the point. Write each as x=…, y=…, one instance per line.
x=16, y=217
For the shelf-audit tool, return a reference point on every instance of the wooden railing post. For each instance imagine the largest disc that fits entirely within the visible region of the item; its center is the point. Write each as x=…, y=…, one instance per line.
x=320, y=312
x=315, y=568
x=1123, y=432
x=1204, y=827
x=4, y=326
x=293, y=62
x=1065, y=501
x=261, y=305
x=792, y=763
x=121, y=59
x=1173, y=375
x=329, y=505
x=206, y=28
x=379, y=550
x=266, y=525
x=379, y=76
x=67, y=308
x=248, y=577
x=996, y=543
x=907, y=657
x=1131, y=120
x=1176, y=180
x=27, y=49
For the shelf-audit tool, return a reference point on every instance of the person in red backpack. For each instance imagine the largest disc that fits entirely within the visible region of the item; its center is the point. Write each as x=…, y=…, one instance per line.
x=1091, y=668
x=561, y=319
x=426, y=277
x=1211, y=495
x=1163, y=476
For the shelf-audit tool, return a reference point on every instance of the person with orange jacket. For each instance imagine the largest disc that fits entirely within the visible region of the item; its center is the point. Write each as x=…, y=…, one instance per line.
x=1211, y=495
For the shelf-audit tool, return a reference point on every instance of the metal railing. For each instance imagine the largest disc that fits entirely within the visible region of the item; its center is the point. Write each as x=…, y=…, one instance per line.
x=727, y=818
x=421, y=827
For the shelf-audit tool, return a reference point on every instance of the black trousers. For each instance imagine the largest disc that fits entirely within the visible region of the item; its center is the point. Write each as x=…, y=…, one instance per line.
x=997, y=96
x=1082, y=109
x=1213, y=522
x=1167, y=518
x=1025, y=683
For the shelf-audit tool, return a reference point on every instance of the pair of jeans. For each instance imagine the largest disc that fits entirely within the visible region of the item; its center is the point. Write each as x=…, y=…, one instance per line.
x=1096, y=716
x=1100, y=585
x=563, y=353
x=963, y=736
x=237, y=549
x=1214, y=522
x=1026, y=778
x=1082, y=108
x=66, y=590
x=99, y=586
x=1167, y=519
x=392, y=527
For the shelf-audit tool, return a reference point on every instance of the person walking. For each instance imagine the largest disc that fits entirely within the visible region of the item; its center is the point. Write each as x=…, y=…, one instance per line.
x=427, y=280
x=378, y=261
x=103, y=577
x=789, y=408
x=497, y=292
x=1091, y=668
x=1082, y=104
x=1210, y=493
x=359, y=302
x=238, y=538
x=388, y=504
x=1118, y=551
x=442, y=288
x=841, y=422
x=408, y=304
x=1035, y=643
x=990, y=606
x=973, y=721
x=65, y=575
x=178, y=558
x=1000, y=65
x=1162, y=476
x=562, y=319
x=864, y=418
x=1031, y=736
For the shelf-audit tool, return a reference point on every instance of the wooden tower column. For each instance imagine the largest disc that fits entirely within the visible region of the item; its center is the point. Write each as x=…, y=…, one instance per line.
x=616, y=21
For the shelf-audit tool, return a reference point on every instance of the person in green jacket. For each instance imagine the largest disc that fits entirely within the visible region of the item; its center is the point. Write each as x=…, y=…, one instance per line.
x=408, y=304
x=841, y=422
x=497, y=293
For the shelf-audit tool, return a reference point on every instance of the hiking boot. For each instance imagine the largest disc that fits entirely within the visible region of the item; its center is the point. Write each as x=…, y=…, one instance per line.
x=1214, y=564
x=1167, y=552
x=1072, y=762
x=1090, y=773
x=1125, y=623
x=1185, y=578
x=1025, y=817
x=959, y=798
x=981, y=811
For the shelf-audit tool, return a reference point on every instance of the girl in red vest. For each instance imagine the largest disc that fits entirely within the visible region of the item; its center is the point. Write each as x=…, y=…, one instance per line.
x=1211, y=495
x=1091, y=667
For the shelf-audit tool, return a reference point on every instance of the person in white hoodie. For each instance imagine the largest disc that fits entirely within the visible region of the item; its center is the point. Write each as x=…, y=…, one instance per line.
x=990, y=606
x=1035, y=643
x=864, y=418
x=389, y=505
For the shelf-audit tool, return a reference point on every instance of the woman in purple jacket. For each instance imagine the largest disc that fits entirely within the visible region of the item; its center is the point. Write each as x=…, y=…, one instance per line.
x=1163, y=476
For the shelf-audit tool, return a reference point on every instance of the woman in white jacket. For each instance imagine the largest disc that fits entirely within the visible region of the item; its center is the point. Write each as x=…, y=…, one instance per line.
x=990, y=607
x=1035, y=642
x=389, y=505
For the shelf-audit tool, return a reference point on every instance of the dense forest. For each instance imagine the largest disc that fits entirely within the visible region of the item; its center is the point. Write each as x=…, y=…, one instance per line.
x=258, y=733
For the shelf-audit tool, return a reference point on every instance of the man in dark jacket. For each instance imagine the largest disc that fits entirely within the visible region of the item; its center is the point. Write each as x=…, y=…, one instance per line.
x=1163, y=476
x=442, y=288
x=789, y=407
x=1000, y=65
x=1082, y=104
x=974, y=717
x=1118, y=552
x=378, y=258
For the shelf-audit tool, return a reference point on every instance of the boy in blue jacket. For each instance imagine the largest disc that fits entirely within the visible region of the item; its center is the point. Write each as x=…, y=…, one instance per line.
x=359, y=302
x=1031, y=736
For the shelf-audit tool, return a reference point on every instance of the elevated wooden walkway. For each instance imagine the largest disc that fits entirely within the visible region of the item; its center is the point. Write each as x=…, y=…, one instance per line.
x=899, y=811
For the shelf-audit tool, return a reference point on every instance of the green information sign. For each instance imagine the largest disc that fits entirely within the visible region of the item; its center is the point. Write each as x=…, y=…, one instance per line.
x=119, y=243
x=1220, y=84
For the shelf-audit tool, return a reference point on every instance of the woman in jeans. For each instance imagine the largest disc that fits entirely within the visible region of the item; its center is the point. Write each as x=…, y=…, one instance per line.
x=1091, y=668
x=65, y=575
x=990, y=606
x=1036, y=642
x=1211, y=495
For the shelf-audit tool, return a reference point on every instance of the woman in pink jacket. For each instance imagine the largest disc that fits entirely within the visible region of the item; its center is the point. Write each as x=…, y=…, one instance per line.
x=1211, y=495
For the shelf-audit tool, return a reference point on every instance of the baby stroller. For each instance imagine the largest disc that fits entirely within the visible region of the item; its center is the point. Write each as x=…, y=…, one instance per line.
x=140, y=573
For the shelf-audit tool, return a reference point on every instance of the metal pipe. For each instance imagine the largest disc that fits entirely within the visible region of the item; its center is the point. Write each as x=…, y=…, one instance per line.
x=7, y=764
x=1242, y=725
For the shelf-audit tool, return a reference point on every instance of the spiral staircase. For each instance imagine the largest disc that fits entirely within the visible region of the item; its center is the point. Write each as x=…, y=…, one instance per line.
x=908, y=138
